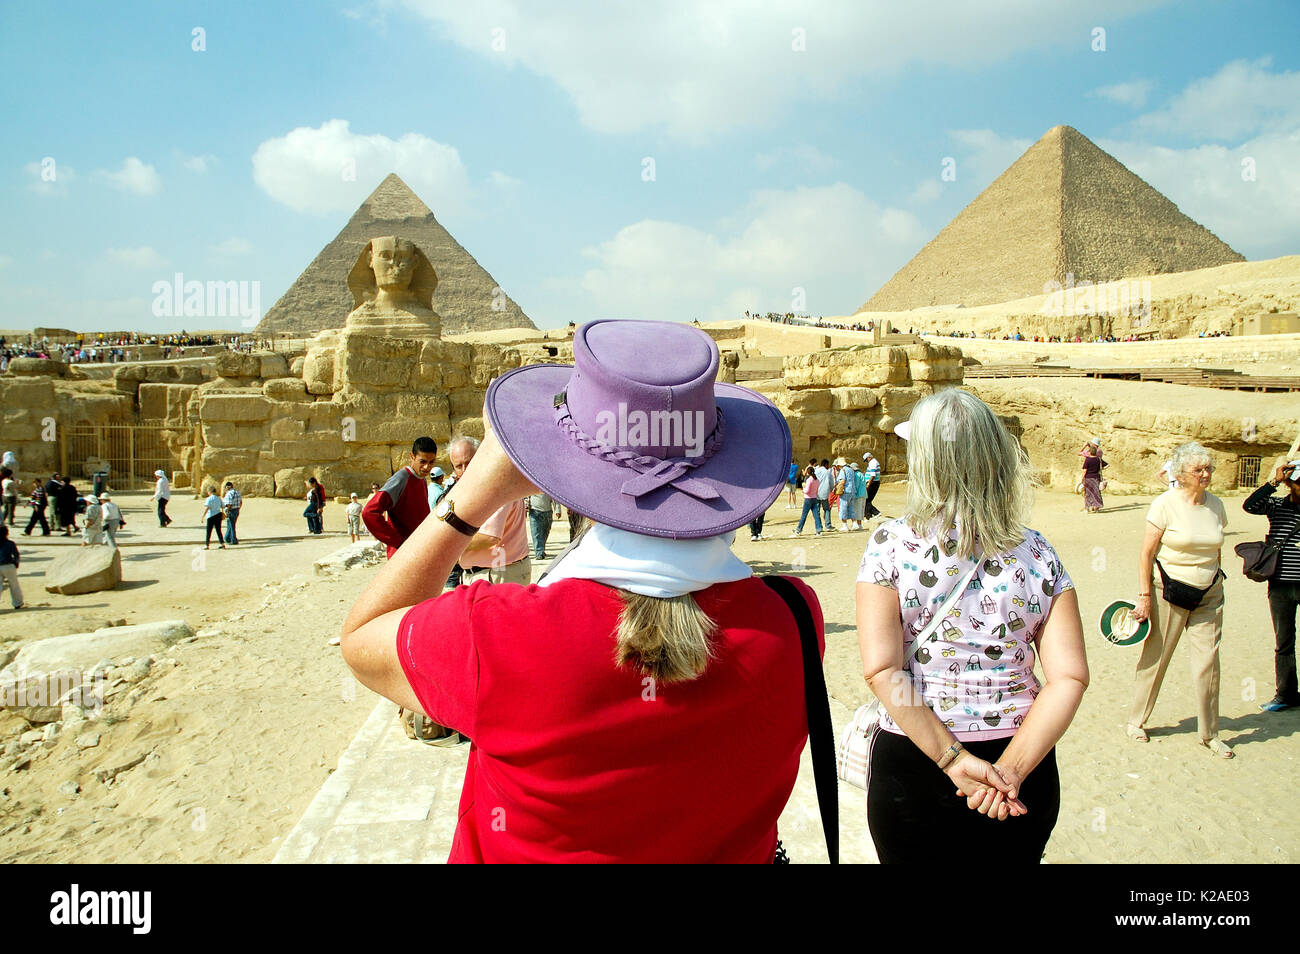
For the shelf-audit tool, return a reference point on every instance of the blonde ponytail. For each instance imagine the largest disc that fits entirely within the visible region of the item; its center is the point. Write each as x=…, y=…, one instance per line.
x=666, y=639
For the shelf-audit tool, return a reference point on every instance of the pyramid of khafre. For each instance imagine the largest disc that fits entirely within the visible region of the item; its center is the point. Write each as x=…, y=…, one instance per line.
x=1063, y=207
x=466, y=293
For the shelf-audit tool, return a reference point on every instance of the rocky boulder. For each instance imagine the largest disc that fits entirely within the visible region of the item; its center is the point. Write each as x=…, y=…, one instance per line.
x=84, y=570
x=83, y=651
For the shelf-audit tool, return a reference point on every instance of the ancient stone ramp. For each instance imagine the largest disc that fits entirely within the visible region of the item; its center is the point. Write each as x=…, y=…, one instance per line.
x=467, y=298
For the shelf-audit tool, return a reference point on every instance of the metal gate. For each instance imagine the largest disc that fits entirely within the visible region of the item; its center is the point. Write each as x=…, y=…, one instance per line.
x=1248, y=471
x=132, y=451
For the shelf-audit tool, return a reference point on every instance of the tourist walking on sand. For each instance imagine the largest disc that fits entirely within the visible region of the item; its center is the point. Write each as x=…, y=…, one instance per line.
x=52, y=487
x=1182, y=548
x=9, y=494
x=111, y=514
x=1092, y=480
x=651, y=604
x=968, y=702
x=9, y=561
x=401, y=505
x=810, y=502
x=873, y=484
x=825, y=484
x=38, y=503
x=1284, y=585
x=92, y=532
x=354, y=517
x=212, y=516
x=791, y=484
x=315, y=506
x=68, y=501
x=231, y=501
x=859, y=494
x=847, y=488
x=162, y=492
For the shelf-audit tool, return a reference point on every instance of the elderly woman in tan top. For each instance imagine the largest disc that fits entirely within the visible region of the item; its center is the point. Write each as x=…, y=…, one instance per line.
x=1185, y=529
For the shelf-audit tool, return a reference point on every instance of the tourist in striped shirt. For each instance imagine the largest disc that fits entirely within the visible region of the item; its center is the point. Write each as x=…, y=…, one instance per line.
x=1284, y=586
x=230, y=504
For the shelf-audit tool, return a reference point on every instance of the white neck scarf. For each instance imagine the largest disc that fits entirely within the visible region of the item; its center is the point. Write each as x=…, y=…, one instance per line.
x=651, y=566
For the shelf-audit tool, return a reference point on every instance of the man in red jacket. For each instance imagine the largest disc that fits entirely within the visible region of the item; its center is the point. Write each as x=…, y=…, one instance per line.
x=401, y=505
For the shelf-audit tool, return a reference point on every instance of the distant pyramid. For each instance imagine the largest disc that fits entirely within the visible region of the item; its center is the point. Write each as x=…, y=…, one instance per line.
x=1065, y=206
x=320, y=298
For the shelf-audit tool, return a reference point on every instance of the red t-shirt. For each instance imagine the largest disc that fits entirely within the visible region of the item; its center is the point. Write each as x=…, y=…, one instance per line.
x=576, y=760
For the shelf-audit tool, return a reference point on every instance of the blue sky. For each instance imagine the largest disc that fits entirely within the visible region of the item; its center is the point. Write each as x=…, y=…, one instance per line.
x=527, y=127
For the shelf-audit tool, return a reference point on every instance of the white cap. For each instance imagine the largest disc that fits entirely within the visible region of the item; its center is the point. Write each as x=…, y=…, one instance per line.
x=904, y=430
x=159, y=473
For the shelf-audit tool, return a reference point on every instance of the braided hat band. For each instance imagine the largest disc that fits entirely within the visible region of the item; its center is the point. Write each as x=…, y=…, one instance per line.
x=652, y=472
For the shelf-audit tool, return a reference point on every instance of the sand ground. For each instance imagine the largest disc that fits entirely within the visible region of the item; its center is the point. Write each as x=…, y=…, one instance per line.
x=243, y=731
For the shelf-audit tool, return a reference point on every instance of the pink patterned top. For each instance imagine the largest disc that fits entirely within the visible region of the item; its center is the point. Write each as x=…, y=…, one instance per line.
x=977, y=670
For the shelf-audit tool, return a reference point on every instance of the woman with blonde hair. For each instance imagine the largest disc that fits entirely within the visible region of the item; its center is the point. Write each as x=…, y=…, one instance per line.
x=1183, y=548
x=645, y=702
x=965, y=710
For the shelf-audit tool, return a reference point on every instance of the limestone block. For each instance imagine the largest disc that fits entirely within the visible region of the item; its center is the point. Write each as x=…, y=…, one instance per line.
x=842, y=423
x=361, y=369
x=31, y=393
x=851, y=399
x=361, y=553
x=83, y=651
x=160, y=374
x=351, y=477
x=319, y=372
x=80, y=407
x=324, y=416
x=37, y=367
x=227, y=434
x=402, y=432
x=189, y=374
x=457, y=353
x=287, y=429
x=806, y=401
x=220, y=461
x=285, y=389
x=467, y=402
x=811, y=425
x=291, y=482
x=296, y=365
x=236, y=364
x=898, y=402
x=847, y=367
x=273, y=366
x=311, y=449
x=234, y=407
x=469, y=427
x=153, y=402
x=933, y=371
x=19, y=424
x=454, y=377
x=252, y=485
x=380, y=346
x=84, y=570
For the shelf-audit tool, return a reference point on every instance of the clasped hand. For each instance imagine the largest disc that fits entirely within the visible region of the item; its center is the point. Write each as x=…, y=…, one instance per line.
x=989, y=789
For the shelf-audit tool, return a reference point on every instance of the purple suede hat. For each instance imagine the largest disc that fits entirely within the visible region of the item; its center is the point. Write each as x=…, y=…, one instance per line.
x=639, y=435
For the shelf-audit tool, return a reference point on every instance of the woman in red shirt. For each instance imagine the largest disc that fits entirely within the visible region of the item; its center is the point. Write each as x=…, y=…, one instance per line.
x=644, y=702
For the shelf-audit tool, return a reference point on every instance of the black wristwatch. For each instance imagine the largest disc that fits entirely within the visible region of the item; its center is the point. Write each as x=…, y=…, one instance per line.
x=446, y=512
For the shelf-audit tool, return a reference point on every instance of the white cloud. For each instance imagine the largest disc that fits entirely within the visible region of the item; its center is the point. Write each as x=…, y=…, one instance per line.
x=199, y=165
x=831, y=241
x=927, y=191
x=142, y=256
x=134, y=176
x=1242, y=99
x=503, y=181
x=49, y=176
x=1259, y=218
x=232, y=247
x=1132, y=94
x=333, y=169
x=698, y=69
x=983, y=155
x=804, y=157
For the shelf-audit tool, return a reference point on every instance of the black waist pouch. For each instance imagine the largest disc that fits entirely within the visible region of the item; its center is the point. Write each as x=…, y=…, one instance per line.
x=1183, y=595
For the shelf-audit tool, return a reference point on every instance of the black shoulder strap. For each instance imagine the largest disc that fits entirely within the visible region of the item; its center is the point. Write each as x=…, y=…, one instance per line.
x=820, y=732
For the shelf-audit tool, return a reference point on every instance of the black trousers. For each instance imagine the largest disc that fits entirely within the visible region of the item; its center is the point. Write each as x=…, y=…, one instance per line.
x=214, y=523
x=915, y=816
x=163, y=519
x=38, y=515
x=1283, y=600
x=756, y=525
x=872, y=489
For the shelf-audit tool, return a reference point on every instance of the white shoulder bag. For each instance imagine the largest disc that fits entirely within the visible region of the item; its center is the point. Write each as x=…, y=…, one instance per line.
x=853, y=754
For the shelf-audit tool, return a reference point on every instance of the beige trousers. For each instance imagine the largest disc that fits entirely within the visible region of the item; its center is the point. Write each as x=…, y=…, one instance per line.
x=9, y=573
x=521, y=572
x=1204, y=629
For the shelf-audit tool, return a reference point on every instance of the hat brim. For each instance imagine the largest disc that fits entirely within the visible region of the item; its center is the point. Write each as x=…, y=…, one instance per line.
x=748, y=469
x=1107, y=625
x=904, y=430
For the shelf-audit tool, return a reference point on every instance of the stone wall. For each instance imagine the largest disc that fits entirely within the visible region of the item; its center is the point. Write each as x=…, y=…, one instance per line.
x=1178, y=352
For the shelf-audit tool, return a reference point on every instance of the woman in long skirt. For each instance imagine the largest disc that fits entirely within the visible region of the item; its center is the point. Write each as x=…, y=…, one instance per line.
x=1092, y=465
